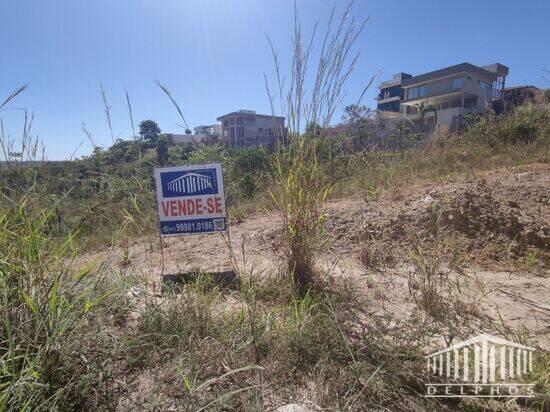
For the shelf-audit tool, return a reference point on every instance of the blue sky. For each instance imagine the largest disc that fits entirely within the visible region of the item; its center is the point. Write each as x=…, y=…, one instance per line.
x=212, y=54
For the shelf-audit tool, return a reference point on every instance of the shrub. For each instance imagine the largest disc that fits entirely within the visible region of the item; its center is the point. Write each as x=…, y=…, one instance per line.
x=526, y=124
x=299, y=195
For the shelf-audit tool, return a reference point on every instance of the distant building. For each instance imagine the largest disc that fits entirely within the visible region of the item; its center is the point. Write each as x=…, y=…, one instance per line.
x=176, y=139
x=246, y=128
x=453, y=92
x=518, y=95
x=209, y=134
x=203, y=134
x=212, y=130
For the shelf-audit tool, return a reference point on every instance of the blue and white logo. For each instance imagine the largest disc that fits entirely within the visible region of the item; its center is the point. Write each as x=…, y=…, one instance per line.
x=189, y=183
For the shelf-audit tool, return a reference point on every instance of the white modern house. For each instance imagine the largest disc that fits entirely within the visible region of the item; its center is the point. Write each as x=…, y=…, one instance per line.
x=246, y=128
x=451, y=93
x=242, y=128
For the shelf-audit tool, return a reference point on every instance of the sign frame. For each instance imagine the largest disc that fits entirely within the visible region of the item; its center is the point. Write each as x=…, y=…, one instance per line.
x=212, y=173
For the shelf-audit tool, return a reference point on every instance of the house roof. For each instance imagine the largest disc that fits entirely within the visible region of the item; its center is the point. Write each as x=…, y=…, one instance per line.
x=506, y=89
x=448, y=71
x=395, y=81
x=235, y=114
x=207, y=125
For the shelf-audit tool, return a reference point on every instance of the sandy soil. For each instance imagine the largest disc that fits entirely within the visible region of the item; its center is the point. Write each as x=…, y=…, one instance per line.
x=498, y=222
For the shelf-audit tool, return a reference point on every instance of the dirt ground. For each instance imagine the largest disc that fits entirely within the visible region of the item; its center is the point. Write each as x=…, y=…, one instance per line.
x=496, y=223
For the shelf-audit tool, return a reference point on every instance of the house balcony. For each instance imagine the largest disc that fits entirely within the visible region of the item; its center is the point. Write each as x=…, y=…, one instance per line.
x=388, y=99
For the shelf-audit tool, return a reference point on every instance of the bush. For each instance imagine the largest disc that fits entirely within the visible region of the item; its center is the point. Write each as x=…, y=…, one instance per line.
x=249, y=172
x=299, y=195
x=526, y=124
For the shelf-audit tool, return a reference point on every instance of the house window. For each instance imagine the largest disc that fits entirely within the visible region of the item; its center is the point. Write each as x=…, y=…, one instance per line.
x=457, y=83
x=422, y=91
x=419, y=91
x=486, y=90
x=456, y=103
x=470, y=102
x=261, y=129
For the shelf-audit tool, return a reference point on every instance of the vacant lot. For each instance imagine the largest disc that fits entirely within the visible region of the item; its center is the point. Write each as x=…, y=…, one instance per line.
x=494, y=225
x=413, y=251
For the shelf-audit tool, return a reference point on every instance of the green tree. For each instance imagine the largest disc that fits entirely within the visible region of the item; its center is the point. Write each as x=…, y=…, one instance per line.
x=358, y=119
x=149, y=130
x=121, y=151
x=354, y=114
x=424, y=108
x=162, y=150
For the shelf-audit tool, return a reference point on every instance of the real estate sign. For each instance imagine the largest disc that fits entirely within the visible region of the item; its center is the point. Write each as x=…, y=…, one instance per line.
x=191, y=199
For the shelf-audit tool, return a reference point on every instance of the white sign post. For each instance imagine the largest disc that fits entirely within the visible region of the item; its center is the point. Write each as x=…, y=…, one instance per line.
x=190, y=199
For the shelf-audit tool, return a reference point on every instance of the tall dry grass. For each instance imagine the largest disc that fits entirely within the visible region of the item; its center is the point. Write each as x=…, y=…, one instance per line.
x=300, y=189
